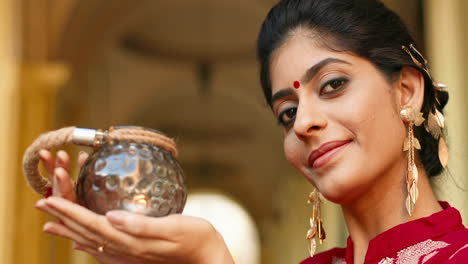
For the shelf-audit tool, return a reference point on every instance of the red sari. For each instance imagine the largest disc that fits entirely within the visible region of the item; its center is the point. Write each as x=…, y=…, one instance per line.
x=439, y=238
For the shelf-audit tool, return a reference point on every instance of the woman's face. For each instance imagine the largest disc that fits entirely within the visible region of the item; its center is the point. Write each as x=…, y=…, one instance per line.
x=342, y=128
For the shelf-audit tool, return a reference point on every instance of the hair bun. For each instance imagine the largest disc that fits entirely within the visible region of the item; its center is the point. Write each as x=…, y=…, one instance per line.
x=442, y=97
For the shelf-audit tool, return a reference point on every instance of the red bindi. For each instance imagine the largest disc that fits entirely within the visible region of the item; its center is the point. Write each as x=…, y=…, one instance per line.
x=297, y=84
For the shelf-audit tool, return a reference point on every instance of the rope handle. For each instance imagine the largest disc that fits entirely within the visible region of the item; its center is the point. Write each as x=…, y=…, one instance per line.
x=85, y=137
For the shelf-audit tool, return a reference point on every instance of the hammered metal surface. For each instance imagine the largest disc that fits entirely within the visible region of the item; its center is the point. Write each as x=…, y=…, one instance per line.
x=130, y=176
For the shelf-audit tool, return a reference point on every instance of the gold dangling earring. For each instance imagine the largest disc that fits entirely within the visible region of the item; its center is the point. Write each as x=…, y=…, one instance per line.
x=434, y=125
x=409, y=116
x=316, y=226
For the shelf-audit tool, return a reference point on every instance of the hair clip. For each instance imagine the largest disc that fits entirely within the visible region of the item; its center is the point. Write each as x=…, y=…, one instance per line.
x=419, y=53
x=439, y=86
x=422, y=65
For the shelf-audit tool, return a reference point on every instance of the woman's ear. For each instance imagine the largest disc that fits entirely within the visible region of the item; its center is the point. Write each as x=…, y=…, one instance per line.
x=410, y=88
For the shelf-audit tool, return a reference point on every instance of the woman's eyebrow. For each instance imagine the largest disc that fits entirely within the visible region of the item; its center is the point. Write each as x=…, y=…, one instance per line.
x=280, y=94
x=308, y=75
x=312, y=71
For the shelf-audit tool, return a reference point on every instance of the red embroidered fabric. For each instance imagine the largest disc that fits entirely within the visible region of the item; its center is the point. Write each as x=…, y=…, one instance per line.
x=439, y=238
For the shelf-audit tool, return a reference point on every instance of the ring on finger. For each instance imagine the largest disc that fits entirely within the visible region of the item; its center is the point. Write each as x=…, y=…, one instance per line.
x=100, y=249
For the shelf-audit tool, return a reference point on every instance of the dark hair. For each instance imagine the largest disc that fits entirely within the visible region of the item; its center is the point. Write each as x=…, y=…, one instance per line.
x=365, y=28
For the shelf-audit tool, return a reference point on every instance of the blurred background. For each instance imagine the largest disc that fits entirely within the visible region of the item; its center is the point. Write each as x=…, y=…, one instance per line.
x=186, y=68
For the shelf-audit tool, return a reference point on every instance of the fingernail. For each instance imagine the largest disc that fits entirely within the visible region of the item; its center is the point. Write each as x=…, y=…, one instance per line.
x=40, y=203
x=42, y=153
x=116, y=218
x=49, y=202
x=46, y=228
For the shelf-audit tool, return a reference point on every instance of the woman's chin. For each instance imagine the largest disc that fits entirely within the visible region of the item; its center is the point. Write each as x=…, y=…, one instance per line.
x=335, y=197
x=338, y=193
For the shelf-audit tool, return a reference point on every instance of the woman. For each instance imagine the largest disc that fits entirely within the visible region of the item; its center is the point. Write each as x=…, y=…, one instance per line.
x=347, y=85
x=362, y=121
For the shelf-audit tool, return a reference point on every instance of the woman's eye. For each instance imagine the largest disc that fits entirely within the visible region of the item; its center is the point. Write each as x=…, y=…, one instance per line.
x=287, y=116
x=333, y=86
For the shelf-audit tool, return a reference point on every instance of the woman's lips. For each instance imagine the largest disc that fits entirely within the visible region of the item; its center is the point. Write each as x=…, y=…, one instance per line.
x=325, y=152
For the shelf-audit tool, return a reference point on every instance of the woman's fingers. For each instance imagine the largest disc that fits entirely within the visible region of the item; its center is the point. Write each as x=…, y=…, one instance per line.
x=83, y=221
x=154, y=227
x=168, y=236
x=131, y=238
x=58, y=229
x=163, y=228
x=82, y=216
x=82, y=157
x=51, y=163
x=73, y=230
x=62, y=160
x=70, y=223
x=58, y=169
x=64, y=185
x=48, y=161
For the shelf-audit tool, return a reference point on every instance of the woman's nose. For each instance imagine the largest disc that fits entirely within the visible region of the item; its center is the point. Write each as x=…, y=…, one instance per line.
x=309, y=122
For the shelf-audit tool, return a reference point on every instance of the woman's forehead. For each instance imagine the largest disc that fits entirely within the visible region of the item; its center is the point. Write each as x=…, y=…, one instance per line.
x=297, y=55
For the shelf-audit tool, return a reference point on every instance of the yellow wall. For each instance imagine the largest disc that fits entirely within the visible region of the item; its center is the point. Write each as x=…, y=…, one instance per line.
x=8, y=128
x=37, y=85
x=446, y=42
x=27, y=94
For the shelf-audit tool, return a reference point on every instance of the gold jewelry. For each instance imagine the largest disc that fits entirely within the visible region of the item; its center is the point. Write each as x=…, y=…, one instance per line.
x=412, y=51
x=435, y=125
x=316, y=226
x=435, y=120
x=100, y=249
x=409, y=116
x=443, y=152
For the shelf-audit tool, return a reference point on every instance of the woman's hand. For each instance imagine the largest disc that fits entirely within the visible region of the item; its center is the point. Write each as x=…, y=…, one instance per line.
x=131, y=238
x=58, y=170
